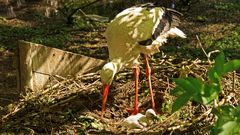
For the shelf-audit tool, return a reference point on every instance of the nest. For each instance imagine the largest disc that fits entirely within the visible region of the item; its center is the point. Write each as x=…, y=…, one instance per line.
x=73, y=105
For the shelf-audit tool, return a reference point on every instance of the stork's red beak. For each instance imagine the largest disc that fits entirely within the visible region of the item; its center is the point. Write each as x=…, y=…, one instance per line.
x=105, y=94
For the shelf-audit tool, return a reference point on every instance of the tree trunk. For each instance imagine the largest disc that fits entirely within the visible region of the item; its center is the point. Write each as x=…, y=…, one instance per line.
x=10, y=12
x=19, y=3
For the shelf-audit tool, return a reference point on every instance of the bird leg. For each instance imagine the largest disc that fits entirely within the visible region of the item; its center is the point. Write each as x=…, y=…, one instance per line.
x=148, y=74
x=105, y=94
x=136, y=109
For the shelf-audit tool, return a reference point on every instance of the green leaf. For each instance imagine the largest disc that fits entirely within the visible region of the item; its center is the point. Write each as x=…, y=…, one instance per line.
x=213, y=76
x=207, y=95
x=206, y=100
x=236, y=113
x=216, y=72
x=181, y=101
x=231, y=66
x=211, y=92
x=197, y=84
x=192, y=85
x=184, y=84
x=230, y=128
x=228, y=120
x=219, y=62
x=177, y=91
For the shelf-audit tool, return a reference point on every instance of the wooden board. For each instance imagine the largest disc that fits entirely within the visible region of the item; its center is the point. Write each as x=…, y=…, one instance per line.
x=37, y=63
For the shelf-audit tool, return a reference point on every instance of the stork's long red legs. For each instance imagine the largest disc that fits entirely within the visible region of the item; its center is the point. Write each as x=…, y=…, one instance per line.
x=148, y=74
x=136, y=72
x=136, y=109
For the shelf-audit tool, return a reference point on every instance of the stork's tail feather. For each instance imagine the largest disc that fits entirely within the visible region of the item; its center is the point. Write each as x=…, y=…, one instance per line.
x=173, y=32
x=175, y=12
x=174, y=21
x=174, y=17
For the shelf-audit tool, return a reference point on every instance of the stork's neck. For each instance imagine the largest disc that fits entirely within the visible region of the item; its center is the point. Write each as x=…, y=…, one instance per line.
x=109, y=70
x=118, y=65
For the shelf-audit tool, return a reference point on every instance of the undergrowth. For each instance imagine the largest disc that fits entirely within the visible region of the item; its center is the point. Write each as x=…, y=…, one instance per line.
x=207, y=91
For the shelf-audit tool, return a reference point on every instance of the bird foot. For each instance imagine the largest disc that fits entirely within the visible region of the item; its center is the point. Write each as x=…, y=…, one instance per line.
x=133, y=111
x=157, y=113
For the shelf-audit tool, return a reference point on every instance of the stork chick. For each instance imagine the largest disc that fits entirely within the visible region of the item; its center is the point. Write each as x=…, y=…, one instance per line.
x=140, y=121
x=139, y=29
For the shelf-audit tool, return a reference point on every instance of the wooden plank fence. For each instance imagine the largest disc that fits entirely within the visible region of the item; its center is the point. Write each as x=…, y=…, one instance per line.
x=37, y=63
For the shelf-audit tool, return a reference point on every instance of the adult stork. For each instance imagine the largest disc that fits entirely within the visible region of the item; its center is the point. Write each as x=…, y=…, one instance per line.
x=138, y=29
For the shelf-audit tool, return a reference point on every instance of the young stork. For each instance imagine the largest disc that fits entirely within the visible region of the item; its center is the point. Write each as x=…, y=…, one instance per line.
x=139, y=29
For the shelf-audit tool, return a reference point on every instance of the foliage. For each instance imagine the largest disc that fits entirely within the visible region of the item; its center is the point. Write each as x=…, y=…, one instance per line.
x=2, y=47
x=89, y=122
x=229, y=43
x=55, y=35
x=66, y=115
x=229, y=6
x=69, y=8
x=206, y=92
x=228, y=122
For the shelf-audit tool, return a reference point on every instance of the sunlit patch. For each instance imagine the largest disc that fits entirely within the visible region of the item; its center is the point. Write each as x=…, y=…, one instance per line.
x=137, y=11
x=135, y=33
x=130, y=15
x=130, y=33
x=130, y=24
x=129, y=45
x=139, y=21
x=152, y=13
x=160, y=40
x=107, y=73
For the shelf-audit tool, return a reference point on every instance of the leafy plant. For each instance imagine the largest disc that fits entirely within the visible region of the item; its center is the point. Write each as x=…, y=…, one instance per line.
x=200, y=91
x=88, y=122
x=229, y=6
x=228, y=122
x=205, y=92
x=71, y=8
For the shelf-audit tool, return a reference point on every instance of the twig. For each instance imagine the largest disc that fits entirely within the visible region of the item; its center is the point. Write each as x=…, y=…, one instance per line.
x=193, y=121
x=200, y=44
x=58, y=76
x=6, y=99
x=156, y=125
x=209, y=54
x=32, y=132
x=18, y=108
x=233, y=84
x=63, y=101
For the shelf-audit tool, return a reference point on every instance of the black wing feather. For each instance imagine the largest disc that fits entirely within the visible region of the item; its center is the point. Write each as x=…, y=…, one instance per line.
x=169, y=19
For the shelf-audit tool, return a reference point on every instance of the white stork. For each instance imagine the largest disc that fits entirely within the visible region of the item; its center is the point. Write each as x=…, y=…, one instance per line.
x=139, y=29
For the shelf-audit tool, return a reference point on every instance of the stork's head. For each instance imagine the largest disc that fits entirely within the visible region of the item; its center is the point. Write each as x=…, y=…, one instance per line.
x=107, y=74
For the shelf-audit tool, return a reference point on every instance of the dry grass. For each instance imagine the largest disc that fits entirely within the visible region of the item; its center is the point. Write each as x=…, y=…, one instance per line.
x=72, y=105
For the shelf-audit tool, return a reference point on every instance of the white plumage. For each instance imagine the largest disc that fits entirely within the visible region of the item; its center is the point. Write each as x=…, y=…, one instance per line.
x=140, y=121
x=136, y=30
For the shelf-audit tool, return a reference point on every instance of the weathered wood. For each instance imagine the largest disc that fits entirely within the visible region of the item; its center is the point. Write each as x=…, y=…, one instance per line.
x=37, y=63
x=25, y=66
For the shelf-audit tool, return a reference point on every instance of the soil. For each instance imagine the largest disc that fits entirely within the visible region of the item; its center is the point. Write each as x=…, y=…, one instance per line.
x=73, y=106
